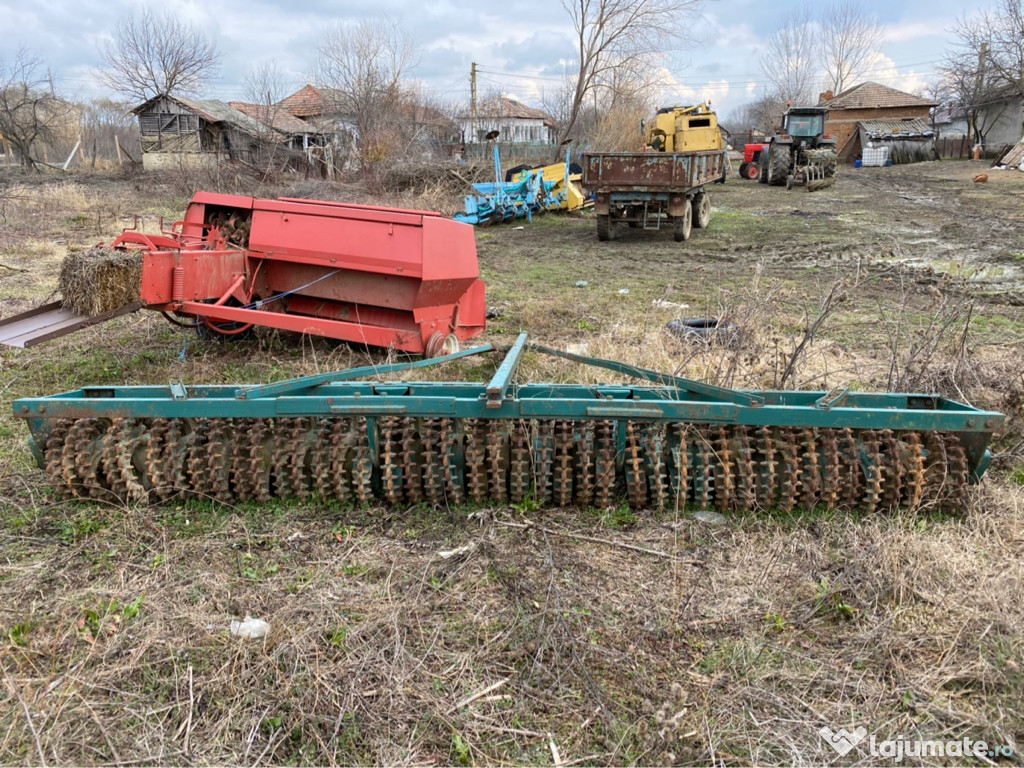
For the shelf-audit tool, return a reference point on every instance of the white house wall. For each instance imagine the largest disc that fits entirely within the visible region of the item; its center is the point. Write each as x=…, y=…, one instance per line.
x=1008, y=128
x=519, y=130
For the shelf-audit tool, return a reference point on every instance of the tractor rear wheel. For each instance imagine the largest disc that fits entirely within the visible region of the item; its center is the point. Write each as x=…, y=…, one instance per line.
x=681, y=225
x=762, y=169
x=701, y=205
x=778, y=162
x=605, y=227
x=753, y=171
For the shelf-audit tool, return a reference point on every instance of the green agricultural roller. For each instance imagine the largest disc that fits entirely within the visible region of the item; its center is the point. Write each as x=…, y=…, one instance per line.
x=664, y=442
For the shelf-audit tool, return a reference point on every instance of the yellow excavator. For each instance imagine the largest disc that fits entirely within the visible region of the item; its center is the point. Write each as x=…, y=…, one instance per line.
x=683, y=129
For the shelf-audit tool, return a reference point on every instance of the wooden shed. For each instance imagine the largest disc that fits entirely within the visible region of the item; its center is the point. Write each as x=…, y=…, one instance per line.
x=868, y=102
x=177, y=130
x=909, y=140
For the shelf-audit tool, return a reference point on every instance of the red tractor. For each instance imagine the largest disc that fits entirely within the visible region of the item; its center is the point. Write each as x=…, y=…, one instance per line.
x=751, y=165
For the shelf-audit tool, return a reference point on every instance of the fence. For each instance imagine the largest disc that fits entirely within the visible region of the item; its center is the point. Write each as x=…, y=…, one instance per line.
x=512, y=154
x=956, y=148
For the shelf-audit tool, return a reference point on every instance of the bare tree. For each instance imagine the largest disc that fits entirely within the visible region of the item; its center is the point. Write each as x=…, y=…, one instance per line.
x=156, y=54
x=995, y=37
x=974, y=88
x=848, y=40
x=766, y=113
x=265, y=83
x=31, y=112
x=264, y=88
x=361, y=69
x=610, y=116
x=789, y=64
x=617, y=35
x=101, y=122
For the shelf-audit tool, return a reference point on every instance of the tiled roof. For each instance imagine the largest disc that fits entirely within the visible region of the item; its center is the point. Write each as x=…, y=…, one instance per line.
x=504, y=107
x=311, y=101
x=875, y=96
x=304, y=102
x=276, y=117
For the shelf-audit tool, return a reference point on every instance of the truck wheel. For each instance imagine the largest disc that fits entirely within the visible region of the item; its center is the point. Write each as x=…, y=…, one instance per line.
x=681, y=225
x=701, y=205
x=778, y=165
x=753, y=171
x=605, y=227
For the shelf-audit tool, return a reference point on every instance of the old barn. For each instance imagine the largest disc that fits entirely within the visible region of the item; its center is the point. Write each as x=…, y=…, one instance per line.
x=177, y=131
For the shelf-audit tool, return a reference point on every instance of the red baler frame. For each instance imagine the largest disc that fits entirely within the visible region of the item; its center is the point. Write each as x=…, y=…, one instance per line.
x=385, y=277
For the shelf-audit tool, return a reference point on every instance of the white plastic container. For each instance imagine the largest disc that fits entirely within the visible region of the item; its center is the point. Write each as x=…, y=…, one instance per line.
x=874, y=157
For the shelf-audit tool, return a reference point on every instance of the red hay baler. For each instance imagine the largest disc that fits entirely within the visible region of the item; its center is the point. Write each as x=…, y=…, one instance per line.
x=384, y=277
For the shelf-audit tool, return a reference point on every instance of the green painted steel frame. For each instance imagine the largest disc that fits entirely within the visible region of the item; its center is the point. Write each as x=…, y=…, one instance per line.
x=669, y=399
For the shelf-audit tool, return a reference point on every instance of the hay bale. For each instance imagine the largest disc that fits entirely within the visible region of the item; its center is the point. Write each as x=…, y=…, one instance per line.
x=100, y=280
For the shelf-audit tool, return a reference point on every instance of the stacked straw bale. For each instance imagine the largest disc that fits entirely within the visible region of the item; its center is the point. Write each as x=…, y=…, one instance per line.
x=100, y=280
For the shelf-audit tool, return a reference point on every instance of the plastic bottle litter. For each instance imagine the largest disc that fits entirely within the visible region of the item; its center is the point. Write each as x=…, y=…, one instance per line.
x=623, y=291
x=709, y=517
x=581, y=283
x=250, y=628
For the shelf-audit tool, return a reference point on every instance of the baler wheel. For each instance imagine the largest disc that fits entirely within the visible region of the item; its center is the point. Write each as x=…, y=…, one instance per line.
x=440, y=344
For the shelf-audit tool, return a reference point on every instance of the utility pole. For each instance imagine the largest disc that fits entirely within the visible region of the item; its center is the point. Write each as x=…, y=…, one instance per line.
x=979, y=91
x=472, y=103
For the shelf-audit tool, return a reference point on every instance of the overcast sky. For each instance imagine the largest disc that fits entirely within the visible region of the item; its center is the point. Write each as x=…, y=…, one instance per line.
x=518, y=46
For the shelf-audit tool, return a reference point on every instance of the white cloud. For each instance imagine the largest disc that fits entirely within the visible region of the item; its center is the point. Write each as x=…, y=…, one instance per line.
x=906, y=31
x=885, y=71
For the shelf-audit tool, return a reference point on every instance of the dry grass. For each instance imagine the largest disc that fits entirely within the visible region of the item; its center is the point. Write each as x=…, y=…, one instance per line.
x=386, y=648
x=452, y=637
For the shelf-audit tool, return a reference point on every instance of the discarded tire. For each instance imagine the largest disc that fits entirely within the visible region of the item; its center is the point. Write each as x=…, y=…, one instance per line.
x=709, y=330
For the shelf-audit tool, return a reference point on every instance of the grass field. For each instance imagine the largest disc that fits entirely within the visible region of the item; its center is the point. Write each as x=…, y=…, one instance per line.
x=516, y=635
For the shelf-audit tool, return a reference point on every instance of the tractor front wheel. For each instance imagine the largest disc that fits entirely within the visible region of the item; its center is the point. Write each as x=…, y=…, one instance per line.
x=753, y=171
x=681, y=225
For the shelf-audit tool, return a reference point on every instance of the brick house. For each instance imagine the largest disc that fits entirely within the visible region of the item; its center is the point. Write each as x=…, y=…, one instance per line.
x=865, y=103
